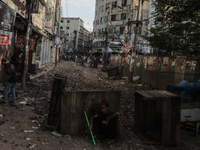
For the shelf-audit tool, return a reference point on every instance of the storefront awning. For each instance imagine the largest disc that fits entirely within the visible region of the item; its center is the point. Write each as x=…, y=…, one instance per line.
x=39, y=32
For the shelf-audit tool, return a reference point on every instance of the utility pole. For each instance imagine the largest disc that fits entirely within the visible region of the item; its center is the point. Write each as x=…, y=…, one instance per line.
x=106, y=40
x=75, y=34
x=26, y=46
x=134, y=42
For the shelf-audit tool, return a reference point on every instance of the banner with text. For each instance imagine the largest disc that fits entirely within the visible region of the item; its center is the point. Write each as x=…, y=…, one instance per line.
x=48, y=20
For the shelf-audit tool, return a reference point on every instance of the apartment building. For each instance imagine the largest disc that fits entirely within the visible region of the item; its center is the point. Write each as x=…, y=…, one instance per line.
x=113, y=16
x=76, y=35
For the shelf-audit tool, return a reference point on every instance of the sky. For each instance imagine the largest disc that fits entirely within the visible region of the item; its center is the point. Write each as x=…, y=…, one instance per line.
x=84, y=9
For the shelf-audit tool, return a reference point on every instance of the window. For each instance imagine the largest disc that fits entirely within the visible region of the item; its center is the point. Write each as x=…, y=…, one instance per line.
x=122, y=30
x=152, y=22
x=111, y=30
x=67, y=34
x=106, y=19
x=100, y=31
x=117, y=30
x=123, y=16
x=124, y=3
x=102, y=8
x=114, y=4
x=67, y=28
x=101, y=21
x=68, y=21
x=113, y=17
x=106, y=6
x=61, y=27
x=61, y=21
x=97, y=22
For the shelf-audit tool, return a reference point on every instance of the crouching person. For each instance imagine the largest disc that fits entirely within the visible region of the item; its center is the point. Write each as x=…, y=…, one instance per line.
x=106, y=121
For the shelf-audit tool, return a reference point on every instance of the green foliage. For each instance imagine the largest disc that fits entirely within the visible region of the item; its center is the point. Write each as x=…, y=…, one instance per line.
x=177, y=27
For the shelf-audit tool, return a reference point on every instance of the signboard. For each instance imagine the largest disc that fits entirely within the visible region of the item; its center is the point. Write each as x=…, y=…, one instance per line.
x=37, y=18
x=18, y=5
x=7, y=19
x=125, y=32
x=116, y=23
x=48, y=20
x=4, y=39
x=35, y=6
x=57, y=39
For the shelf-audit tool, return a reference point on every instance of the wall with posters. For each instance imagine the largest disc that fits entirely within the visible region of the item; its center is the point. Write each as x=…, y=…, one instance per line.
x=7, y=20
x=160, y=71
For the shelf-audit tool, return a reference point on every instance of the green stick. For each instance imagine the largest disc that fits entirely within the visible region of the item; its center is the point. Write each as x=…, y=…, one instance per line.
x=88, y=126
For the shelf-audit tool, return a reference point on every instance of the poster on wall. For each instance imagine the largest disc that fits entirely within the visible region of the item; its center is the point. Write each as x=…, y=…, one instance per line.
x=48, y=20
x=7, y=20
x=5, y=37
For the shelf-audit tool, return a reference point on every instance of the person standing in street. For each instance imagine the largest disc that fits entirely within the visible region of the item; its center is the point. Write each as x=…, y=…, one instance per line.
x=10, y=81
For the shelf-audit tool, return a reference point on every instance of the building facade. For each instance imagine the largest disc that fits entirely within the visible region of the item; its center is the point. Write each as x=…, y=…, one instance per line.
x=44, y=25
x=113, y=16
x=75, y=35
x=45, y=48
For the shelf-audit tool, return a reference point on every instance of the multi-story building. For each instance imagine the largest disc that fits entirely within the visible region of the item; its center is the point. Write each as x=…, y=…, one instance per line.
x=113, y=16
x=151, y=21
x=41, y=47
x=45, y=47
x=75, y=33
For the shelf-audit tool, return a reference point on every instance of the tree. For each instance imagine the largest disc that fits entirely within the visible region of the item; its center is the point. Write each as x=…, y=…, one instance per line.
x=177, y=27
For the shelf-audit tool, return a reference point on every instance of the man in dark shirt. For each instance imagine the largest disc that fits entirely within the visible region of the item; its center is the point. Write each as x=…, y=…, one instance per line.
x=10, y=80
x=106, y=122
x=15, y=59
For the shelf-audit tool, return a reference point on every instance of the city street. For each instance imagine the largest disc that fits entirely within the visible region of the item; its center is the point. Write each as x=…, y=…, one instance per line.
x=23, y=127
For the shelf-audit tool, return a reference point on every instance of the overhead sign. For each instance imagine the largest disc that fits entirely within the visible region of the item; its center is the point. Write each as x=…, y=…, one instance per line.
x=35, y=6
x=48, y=20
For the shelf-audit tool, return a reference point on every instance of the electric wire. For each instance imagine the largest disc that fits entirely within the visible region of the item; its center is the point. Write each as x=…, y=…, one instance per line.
x=85, y=6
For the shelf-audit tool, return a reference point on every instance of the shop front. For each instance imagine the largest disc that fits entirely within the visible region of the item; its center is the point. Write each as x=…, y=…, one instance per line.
x=7, y=20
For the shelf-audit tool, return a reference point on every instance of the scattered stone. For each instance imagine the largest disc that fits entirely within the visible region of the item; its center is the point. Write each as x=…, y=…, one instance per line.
x=55, y=133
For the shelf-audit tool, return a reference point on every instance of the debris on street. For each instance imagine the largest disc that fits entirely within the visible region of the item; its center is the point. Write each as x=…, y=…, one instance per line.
x=25, y=125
